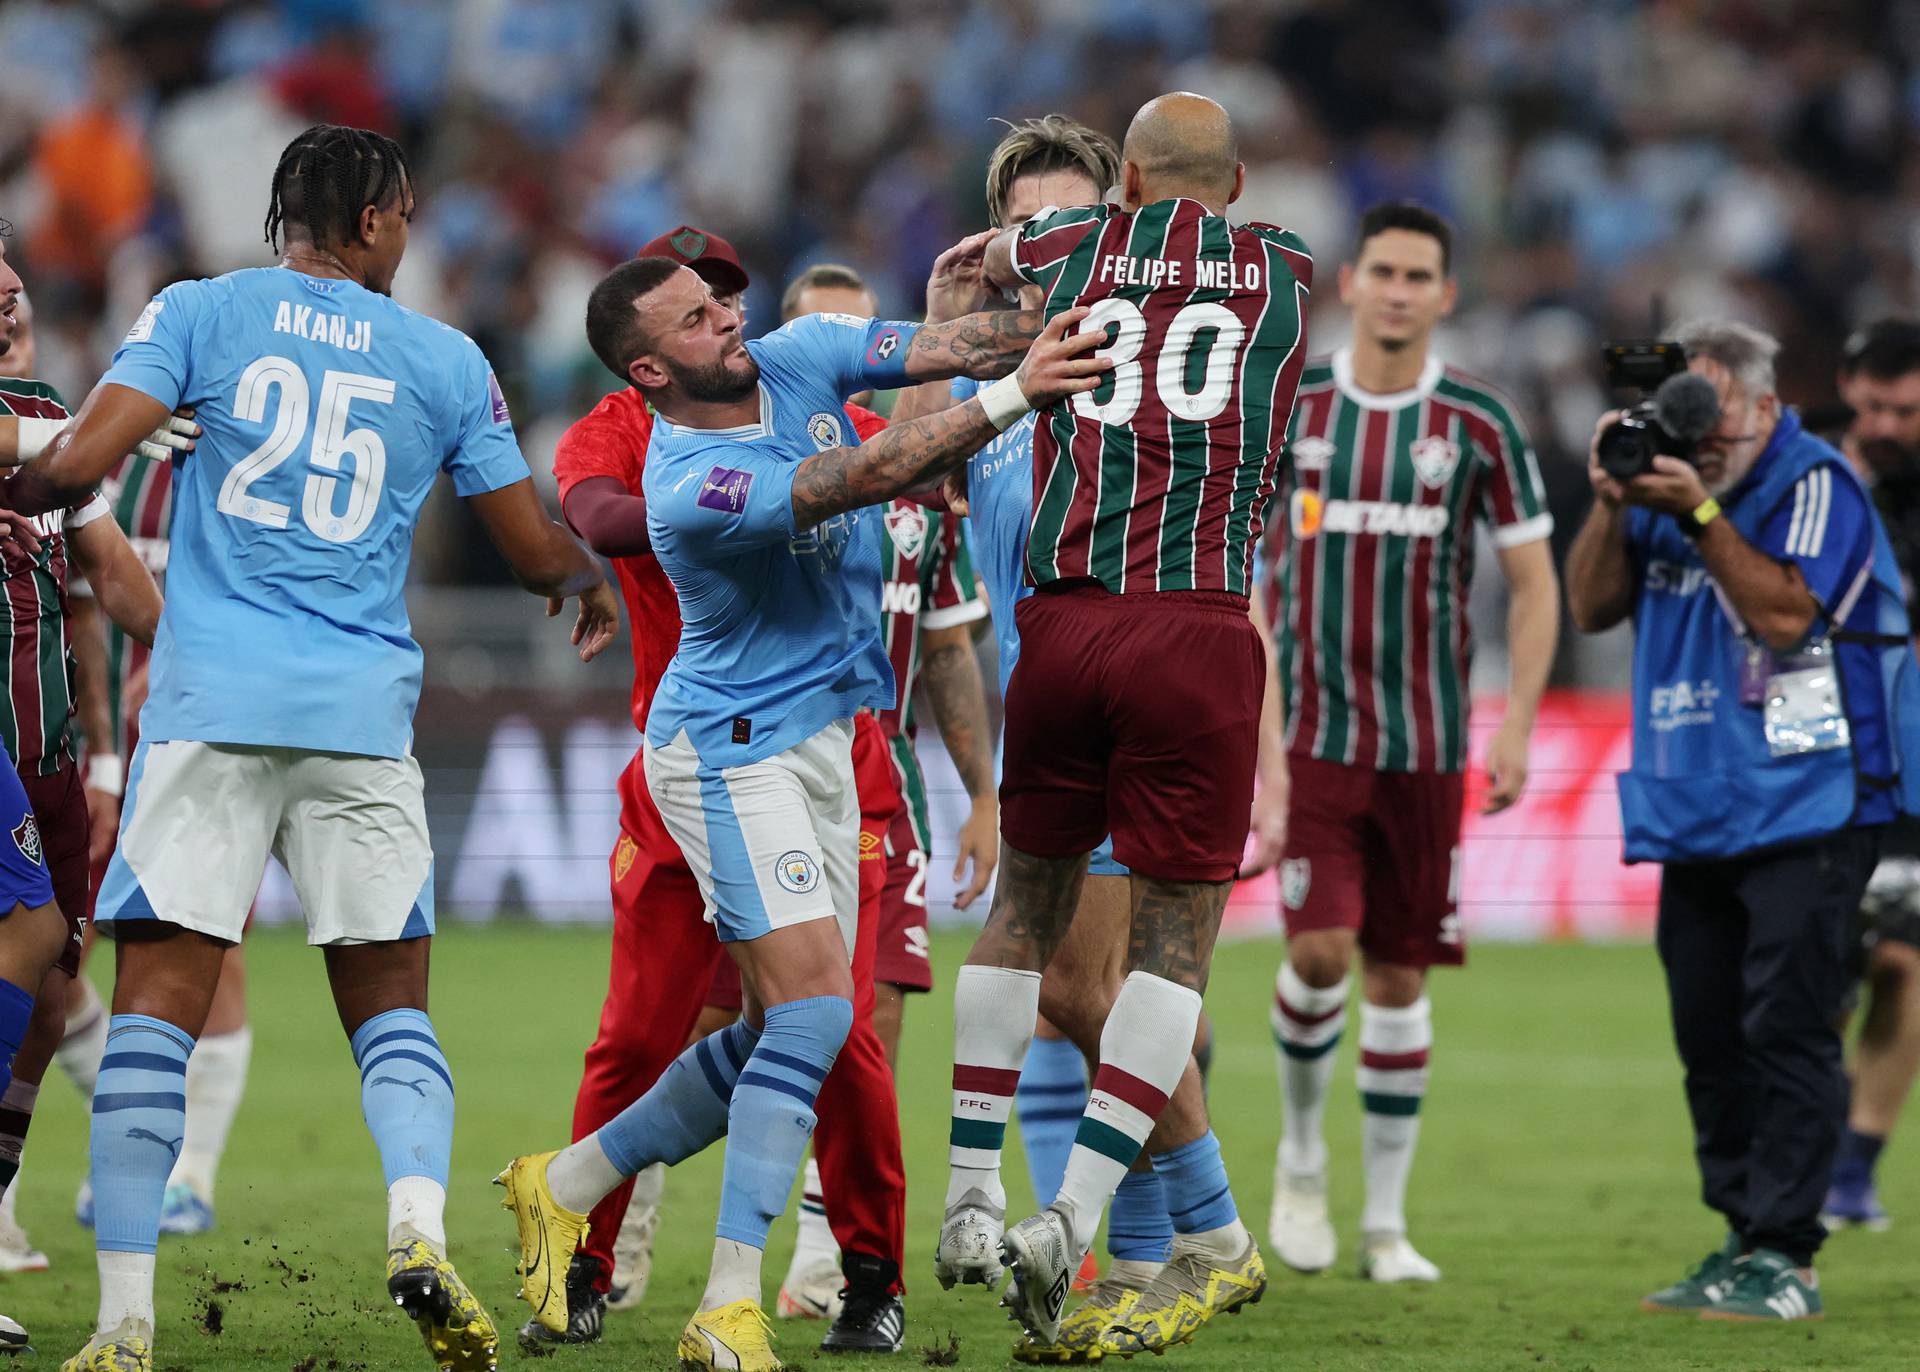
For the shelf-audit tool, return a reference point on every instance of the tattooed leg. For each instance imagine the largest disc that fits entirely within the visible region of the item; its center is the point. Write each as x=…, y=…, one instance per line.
x=1033, y=907
x=1175, y=925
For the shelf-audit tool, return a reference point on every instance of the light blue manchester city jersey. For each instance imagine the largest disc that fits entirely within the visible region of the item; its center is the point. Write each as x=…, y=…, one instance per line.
x=780, y=629
x=328, y=411
x=1000, y=501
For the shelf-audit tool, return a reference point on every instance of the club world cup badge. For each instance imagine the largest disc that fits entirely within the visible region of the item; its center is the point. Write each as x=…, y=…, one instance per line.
x=824, y=430
x=26, y=837
x=1434, y=459
x=796, y=872
x=1296, y=875
x=907, y=526
x=1311, y=454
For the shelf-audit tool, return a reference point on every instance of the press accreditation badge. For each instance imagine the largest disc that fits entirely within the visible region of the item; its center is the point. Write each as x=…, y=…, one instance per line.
x=1803, y=711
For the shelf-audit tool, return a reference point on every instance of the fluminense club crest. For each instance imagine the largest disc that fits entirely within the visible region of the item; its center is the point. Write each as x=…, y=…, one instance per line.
x=26, y=837
x=689, y=242
x=1434, y=459
x=1296, y=876
x=907, y=527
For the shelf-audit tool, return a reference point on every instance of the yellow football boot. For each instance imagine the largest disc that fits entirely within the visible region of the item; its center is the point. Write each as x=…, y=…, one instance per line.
x=549, y=1235
x=737, y=1337
x=1189, y=1291
x=120, y=1351
x=1078, y=1341
x=459, y=1335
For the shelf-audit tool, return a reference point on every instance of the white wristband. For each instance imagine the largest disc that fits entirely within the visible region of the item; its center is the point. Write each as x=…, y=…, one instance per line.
x=106, y=772
x=35, y=435
x=1004, y=402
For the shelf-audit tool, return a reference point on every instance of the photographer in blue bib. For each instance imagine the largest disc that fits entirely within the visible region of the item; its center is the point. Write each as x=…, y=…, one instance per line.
x=1775, y=696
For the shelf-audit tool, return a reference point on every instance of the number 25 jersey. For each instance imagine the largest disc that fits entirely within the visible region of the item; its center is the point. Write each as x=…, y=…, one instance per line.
x=327, y=413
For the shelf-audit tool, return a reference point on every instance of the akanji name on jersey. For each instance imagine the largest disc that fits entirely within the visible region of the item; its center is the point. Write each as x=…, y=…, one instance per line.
x=1156, y=481
x=1375, y=555
x=36, y=719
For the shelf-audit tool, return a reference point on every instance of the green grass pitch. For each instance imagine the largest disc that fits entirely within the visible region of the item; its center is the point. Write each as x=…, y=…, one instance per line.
x=1553, y=1187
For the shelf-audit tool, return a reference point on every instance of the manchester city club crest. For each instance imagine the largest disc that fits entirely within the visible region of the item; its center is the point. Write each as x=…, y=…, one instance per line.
x=824, y=430
x=1296, y=876
x=796, y=872
x=1311, y=454
x=907, y=527
x=1434, y=459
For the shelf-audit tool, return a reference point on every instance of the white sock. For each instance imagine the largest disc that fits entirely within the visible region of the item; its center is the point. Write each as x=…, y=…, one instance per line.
x=815, y=1244
x=85, y=1042
x=1133, y=1273
x=580, y=1175
x=1144, y=1048
x=734, y=1276
x=1306, y=1022
x=216, y=1080
x=126, y=1292
x=417, y=1208
x=994, y=1009
x=1394, y=1047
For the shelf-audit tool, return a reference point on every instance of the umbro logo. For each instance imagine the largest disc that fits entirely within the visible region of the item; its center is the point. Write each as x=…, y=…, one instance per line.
x=1311, y=453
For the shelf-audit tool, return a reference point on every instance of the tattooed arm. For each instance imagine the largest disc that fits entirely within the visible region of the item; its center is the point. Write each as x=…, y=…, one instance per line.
x=950, y=670
x=985, y=346
x=909, y=456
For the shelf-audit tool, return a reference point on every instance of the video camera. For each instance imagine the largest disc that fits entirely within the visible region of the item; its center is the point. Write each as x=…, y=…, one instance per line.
x=1682, y=410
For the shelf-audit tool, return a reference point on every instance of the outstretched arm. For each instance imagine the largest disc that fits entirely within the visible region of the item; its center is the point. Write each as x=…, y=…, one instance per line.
x=112, y=423
x=122, y=585
x=985, y=345
x=547, y=561
x=909, y=456
x=611, y=518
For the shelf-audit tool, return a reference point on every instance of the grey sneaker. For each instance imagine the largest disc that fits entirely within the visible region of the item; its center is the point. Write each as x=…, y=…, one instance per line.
x=969, y=1248
x=1039, y=1251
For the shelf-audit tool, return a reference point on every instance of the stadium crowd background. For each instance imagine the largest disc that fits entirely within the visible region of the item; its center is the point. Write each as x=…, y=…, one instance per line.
x=1755, y=159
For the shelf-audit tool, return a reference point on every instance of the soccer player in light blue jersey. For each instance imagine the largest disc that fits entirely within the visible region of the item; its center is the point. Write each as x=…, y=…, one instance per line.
x=1058, y=162
x=283, y=686
x=757, y=507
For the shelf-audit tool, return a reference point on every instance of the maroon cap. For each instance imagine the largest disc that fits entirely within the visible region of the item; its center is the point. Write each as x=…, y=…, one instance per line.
x=711, y=257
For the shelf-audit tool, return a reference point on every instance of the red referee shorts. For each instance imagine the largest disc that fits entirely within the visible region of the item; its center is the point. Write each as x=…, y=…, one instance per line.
x=1136, y=715
x=1378, y=853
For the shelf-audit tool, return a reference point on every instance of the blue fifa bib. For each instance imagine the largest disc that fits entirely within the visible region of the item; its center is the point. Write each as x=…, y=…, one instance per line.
x=1704, y=782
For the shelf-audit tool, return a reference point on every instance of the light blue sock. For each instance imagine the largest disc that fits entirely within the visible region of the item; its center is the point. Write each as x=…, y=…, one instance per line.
x=139, y=1122
x=16, y=1008
x=1138, y=1226
x=772, y=1117
x=406, y=1094
x=1194, y=1180
x=1050, y=1100
x=687, y=1108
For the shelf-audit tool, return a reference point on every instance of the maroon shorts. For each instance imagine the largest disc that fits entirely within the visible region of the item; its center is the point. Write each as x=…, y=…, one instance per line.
x=902, y=958
x=59, y=803
x=1378, y=853
x=1135, y=715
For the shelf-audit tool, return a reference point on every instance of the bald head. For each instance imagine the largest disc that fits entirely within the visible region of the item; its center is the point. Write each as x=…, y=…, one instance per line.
x=1181, y=144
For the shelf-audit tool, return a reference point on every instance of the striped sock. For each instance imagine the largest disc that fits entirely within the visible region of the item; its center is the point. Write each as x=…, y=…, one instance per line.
x=771, y=1116
x=1395, y=1043
x=1144, y=1048
x=1050, y=1101
x=814, y=1243
x=994, y=1009
x=406, y=1098
x=139, y=1120
x=1138, y=1226
x=1307, y=1022
x=16, y=1117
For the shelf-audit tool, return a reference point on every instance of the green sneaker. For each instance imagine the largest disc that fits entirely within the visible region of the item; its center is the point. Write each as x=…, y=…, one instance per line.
x=1767, y=1286
x=1701, y=1287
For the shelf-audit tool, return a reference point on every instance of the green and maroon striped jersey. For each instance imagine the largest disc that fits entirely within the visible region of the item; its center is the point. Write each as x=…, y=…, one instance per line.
x=1157, y=480
x=926, y=582
x=1374, y=557
x=140, y=494
x=36, y=721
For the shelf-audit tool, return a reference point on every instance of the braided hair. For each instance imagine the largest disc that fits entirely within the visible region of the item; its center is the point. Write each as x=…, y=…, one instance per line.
x=327, y=176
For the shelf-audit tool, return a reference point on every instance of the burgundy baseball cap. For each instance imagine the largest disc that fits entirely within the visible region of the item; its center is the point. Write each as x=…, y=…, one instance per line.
x=711, y=257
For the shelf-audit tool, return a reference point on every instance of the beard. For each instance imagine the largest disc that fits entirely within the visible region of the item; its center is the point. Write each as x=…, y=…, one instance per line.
x=715, y=383
x=1889, y=458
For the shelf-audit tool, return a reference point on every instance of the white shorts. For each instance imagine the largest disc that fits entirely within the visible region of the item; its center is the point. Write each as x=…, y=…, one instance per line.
x=772, y=843
x=200, y=819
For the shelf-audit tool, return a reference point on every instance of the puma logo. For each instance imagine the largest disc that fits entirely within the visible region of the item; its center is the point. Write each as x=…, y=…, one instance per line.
x=417, y=1085
x=171, y=1145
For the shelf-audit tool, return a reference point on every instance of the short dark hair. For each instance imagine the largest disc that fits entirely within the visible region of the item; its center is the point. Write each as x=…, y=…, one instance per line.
x=1414, y=218
x=1885, y=350
x=613, y=326
x=824, y=276
x=327, y=176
